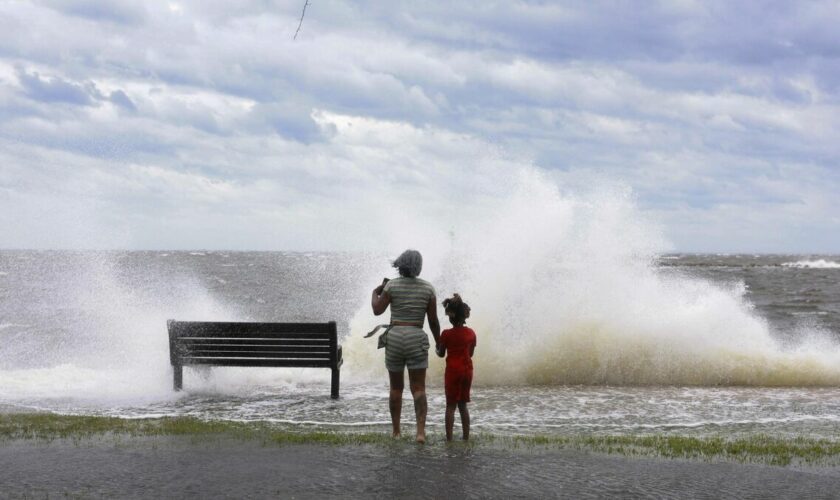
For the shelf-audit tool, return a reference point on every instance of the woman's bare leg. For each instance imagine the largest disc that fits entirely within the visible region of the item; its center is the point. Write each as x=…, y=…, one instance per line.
x=417, y=384
x=395, y=400
x=465, y=418
x=450, y=419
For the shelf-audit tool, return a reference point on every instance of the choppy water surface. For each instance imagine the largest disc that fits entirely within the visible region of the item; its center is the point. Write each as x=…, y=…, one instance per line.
x=687, y=344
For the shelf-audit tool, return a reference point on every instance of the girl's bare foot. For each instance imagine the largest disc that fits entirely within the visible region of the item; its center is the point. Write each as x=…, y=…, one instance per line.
x=395, y=435
x=421, y=439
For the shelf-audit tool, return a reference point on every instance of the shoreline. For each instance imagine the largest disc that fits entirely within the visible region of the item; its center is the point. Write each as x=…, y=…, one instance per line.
x=47, y=455
x=758, y=449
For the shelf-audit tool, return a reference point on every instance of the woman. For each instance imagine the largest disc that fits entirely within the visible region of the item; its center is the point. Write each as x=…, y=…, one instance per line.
x=407, y=345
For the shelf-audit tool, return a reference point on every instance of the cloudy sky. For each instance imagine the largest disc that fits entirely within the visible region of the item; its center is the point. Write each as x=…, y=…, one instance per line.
x=196, y=124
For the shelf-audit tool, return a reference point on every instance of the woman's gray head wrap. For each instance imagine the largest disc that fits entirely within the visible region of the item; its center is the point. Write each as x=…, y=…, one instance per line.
x=410, y=263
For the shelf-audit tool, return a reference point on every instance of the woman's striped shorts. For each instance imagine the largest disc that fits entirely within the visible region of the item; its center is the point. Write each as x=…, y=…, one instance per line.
x=407, y=346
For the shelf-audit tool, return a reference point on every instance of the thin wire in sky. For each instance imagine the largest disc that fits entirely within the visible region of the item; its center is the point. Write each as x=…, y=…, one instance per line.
x=301, y=20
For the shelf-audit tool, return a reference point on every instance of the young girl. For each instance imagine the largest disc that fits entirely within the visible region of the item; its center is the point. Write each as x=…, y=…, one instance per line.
x=459, y=341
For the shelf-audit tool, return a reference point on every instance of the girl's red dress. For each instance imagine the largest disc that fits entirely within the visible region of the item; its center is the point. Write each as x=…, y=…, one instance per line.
x=459, y=342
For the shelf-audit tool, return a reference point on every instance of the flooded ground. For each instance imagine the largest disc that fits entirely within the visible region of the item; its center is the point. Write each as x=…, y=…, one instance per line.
x=186, y=468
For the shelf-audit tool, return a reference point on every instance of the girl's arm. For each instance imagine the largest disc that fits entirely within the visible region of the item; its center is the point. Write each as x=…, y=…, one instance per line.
x=440, y=350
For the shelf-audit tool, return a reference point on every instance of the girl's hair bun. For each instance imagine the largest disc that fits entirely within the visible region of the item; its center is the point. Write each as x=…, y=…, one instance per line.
x=456, y=308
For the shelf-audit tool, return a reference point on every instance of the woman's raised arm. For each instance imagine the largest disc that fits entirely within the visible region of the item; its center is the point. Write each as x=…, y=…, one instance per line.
x=379, y=301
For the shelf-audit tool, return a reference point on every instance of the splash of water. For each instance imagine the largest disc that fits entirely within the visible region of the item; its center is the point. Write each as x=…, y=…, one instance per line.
x=813, y=264
x=104, y=338
x=565, y=290
x=92, y=330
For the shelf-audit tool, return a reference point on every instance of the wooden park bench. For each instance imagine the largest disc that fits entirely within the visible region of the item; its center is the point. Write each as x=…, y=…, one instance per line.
x=254, y=344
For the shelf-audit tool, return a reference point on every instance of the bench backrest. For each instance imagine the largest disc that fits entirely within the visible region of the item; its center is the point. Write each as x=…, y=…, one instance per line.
x=253, y=344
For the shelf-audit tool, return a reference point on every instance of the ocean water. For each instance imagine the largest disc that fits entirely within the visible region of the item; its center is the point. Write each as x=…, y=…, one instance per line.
x=586, y=338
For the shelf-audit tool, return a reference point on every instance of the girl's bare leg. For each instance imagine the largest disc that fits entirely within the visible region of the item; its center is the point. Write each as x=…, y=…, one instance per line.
x=450, y=419
x=465, y=418
x=417, y=384
x=395, y=400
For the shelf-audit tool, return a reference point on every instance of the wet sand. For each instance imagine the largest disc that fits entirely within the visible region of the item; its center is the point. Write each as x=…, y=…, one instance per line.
x=187, y=467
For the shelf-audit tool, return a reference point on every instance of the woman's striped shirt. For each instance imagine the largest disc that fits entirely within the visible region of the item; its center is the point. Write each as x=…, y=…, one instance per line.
x=409, y=299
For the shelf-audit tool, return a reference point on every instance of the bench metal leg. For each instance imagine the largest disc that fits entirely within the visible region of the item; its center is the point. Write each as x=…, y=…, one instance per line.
x=178, y=377
x=334, y=383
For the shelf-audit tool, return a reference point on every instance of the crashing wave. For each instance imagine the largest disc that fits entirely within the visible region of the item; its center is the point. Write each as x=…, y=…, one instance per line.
x=813, y=264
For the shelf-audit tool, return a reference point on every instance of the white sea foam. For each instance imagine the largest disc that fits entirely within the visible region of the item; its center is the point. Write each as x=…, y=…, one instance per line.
x=72, y=380
x=4, y=326
x=120, y=350
x=813, y=264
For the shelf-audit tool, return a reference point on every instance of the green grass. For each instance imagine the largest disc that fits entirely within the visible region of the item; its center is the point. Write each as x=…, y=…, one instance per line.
x=51, y=426
x=753, y=449
x=758, y=448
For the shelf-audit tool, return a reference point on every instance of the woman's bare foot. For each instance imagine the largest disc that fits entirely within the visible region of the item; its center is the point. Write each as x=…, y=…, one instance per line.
x=395, y=435
x=421, y=439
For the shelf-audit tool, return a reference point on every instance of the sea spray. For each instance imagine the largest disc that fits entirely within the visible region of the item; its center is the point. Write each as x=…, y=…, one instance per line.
x=98, y=334
x=89, y=327
x=565, y=290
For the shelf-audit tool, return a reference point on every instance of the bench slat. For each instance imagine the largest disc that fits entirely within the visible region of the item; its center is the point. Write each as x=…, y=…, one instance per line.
x=227, y=329
x=252, y=347
x=257, y=354
x=278, y=363
x=253, y=341
x=248, y=335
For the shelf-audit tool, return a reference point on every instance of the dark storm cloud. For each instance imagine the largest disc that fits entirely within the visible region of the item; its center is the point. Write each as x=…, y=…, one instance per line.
x=120, y=98
x=56, y=89
x=288, y=120
x=122, y=12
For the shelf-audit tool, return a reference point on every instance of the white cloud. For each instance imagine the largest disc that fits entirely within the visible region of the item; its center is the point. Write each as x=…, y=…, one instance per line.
x=203, y=116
